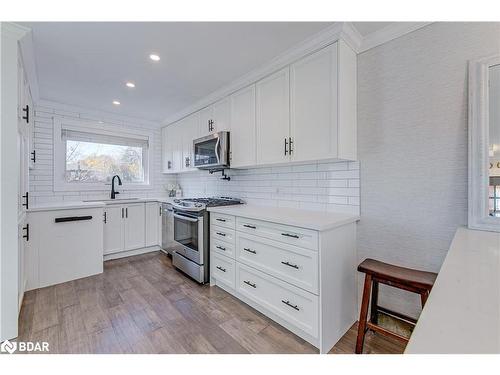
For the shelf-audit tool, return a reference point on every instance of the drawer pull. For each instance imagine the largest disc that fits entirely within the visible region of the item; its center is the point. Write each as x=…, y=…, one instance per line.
x=249, y=250
x=221, y=248
x=221, y=234
x=290, y=265
x=295, y=307
x=289, y=235
x=220, y=268
x=71, y=218
x=249, y=226
x=219, y=219
x=249, y=283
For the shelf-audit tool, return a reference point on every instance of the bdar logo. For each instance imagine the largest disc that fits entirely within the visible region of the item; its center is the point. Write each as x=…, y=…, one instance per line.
x=8, y=347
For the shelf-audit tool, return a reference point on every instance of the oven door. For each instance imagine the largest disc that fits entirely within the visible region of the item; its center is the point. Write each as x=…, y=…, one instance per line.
x=188, y=231
x=212, y=151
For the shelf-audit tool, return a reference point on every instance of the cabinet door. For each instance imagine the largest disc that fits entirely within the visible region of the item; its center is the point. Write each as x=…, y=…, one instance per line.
x=222, y=115
x=152, y=223
x=176, y=146
x=206, y=123
x=113, y=229
x=134, y=226
x=166, y=150
x=273, y=118
x=313, y=84
x=190, y=132
x=243, y=128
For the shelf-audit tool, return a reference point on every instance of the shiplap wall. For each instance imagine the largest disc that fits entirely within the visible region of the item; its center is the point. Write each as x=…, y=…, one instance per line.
x=412, y=145
x=41, y=177
x=317, y=186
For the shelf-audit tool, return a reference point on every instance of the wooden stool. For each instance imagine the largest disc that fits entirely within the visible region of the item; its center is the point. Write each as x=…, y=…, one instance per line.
x=415, y=281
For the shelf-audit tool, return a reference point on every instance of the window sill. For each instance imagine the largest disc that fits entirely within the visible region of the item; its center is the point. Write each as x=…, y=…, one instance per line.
x=63, y=186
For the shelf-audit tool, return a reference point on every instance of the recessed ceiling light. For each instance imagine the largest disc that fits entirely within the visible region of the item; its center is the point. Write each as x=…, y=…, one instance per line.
x=116, y=102
x=130, y=84
x=154, y=57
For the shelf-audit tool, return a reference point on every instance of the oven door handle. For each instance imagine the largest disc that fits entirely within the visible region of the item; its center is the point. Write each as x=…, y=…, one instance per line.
x=182, y=217
x=217, y=150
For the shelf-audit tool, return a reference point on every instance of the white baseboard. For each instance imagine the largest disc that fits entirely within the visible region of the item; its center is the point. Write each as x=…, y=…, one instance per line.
x=129, y=253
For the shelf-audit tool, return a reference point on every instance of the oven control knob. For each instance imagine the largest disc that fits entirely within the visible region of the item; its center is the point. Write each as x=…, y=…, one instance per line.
x=198, y=205
x=177, y=200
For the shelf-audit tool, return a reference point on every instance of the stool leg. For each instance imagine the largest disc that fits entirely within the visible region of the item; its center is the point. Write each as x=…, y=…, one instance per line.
x=423, y=297
x=374, y=303
x=363, y=314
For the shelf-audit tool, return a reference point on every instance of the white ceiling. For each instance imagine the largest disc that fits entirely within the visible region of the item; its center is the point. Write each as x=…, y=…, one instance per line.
x=87, y=64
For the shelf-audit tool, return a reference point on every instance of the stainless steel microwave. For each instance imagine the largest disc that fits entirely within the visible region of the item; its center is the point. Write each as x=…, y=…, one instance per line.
x=212, y=151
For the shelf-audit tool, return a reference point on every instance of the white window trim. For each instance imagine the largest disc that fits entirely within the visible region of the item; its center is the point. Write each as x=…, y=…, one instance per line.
x=60, y=183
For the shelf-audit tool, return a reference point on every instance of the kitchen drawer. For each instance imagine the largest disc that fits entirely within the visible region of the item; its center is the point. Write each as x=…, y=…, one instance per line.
x=289, y=263
x=222, y=269
x=222, y=234
x=222, y=248
x=222, y=220
x=294, y=305
x=284, y=233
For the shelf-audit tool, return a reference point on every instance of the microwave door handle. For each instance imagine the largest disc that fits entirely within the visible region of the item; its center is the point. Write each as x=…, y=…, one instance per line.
x=217, y=145
x=182, y=217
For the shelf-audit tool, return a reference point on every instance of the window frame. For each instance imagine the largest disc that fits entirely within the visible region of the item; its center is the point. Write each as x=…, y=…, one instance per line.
x=59, y=176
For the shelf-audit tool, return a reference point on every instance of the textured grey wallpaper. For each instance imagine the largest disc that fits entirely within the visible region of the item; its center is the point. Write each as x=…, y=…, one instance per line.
x=412, y=142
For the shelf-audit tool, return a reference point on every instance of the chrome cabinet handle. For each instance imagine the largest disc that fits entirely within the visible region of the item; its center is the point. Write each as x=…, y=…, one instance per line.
x=289, y=235
x=249, y=283
x=295, y=307
x=219, y=219
x=249, y=250
x=249, y=226
x=221, y=248
x=221, y=234
x=220, y=268
x=126, y=212
x=27, y=235
x=290, y=265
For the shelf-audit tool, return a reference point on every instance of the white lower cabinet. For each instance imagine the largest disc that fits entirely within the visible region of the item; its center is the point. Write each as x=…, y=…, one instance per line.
x=64, y=245
x=131, y=226
x=302, y=278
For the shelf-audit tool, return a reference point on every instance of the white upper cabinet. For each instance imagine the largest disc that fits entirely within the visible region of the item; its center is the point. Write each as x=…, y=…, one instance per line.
x=243, y=132
x=323, y=105
x=304, y=112
x=166, y=155
x=215, y=118
x=273, y=118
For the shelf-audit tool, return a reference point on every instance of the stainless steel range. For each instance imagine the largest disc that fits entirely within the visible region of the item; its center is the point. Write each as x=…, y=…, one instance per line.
x=191, y=230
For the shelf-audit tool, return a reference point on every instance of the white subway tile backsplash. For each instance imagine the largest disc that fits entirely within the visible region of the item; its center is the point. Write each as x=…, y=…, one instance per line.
x=315, y=186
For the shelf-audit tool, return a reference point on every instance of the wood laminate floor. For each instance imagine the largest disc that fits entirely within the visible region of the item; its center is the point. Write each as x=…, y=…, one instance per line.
x=141, y=304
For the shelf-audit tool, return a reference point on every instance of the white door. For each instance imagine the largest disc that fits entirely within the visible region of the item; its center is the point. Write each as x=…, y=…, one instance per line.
x=113, y=229
x=206, y=124
x=222, y=115
x=243, y=128
x=134, y=226
x=313, y=99
x=153, y=212
x=273, y=118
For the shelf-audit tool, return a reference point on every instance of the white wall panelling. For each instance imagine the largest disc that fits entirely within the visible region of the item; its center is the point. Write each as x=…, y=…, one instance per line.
x=41, y=177
x=317, y=186
x=412, y=145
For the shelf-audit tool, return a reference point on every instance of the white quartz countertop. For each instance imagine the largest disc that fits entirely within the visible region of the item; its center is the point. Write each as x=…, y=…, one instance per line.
x=53, y=206
x=315, y=220
x=462, y=314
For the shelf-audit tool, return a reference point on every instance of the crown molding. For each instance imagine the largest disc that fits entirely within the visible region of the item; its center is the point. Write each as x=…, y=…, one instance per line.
x=13, y=29
x=29, y=62
x=388, y=33
x=339, y=30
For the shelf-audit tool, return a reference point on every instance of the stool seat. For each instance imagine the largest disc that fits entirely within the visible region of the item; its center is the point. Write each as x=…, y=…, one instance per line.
x=399, y=275
x=376, y=273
